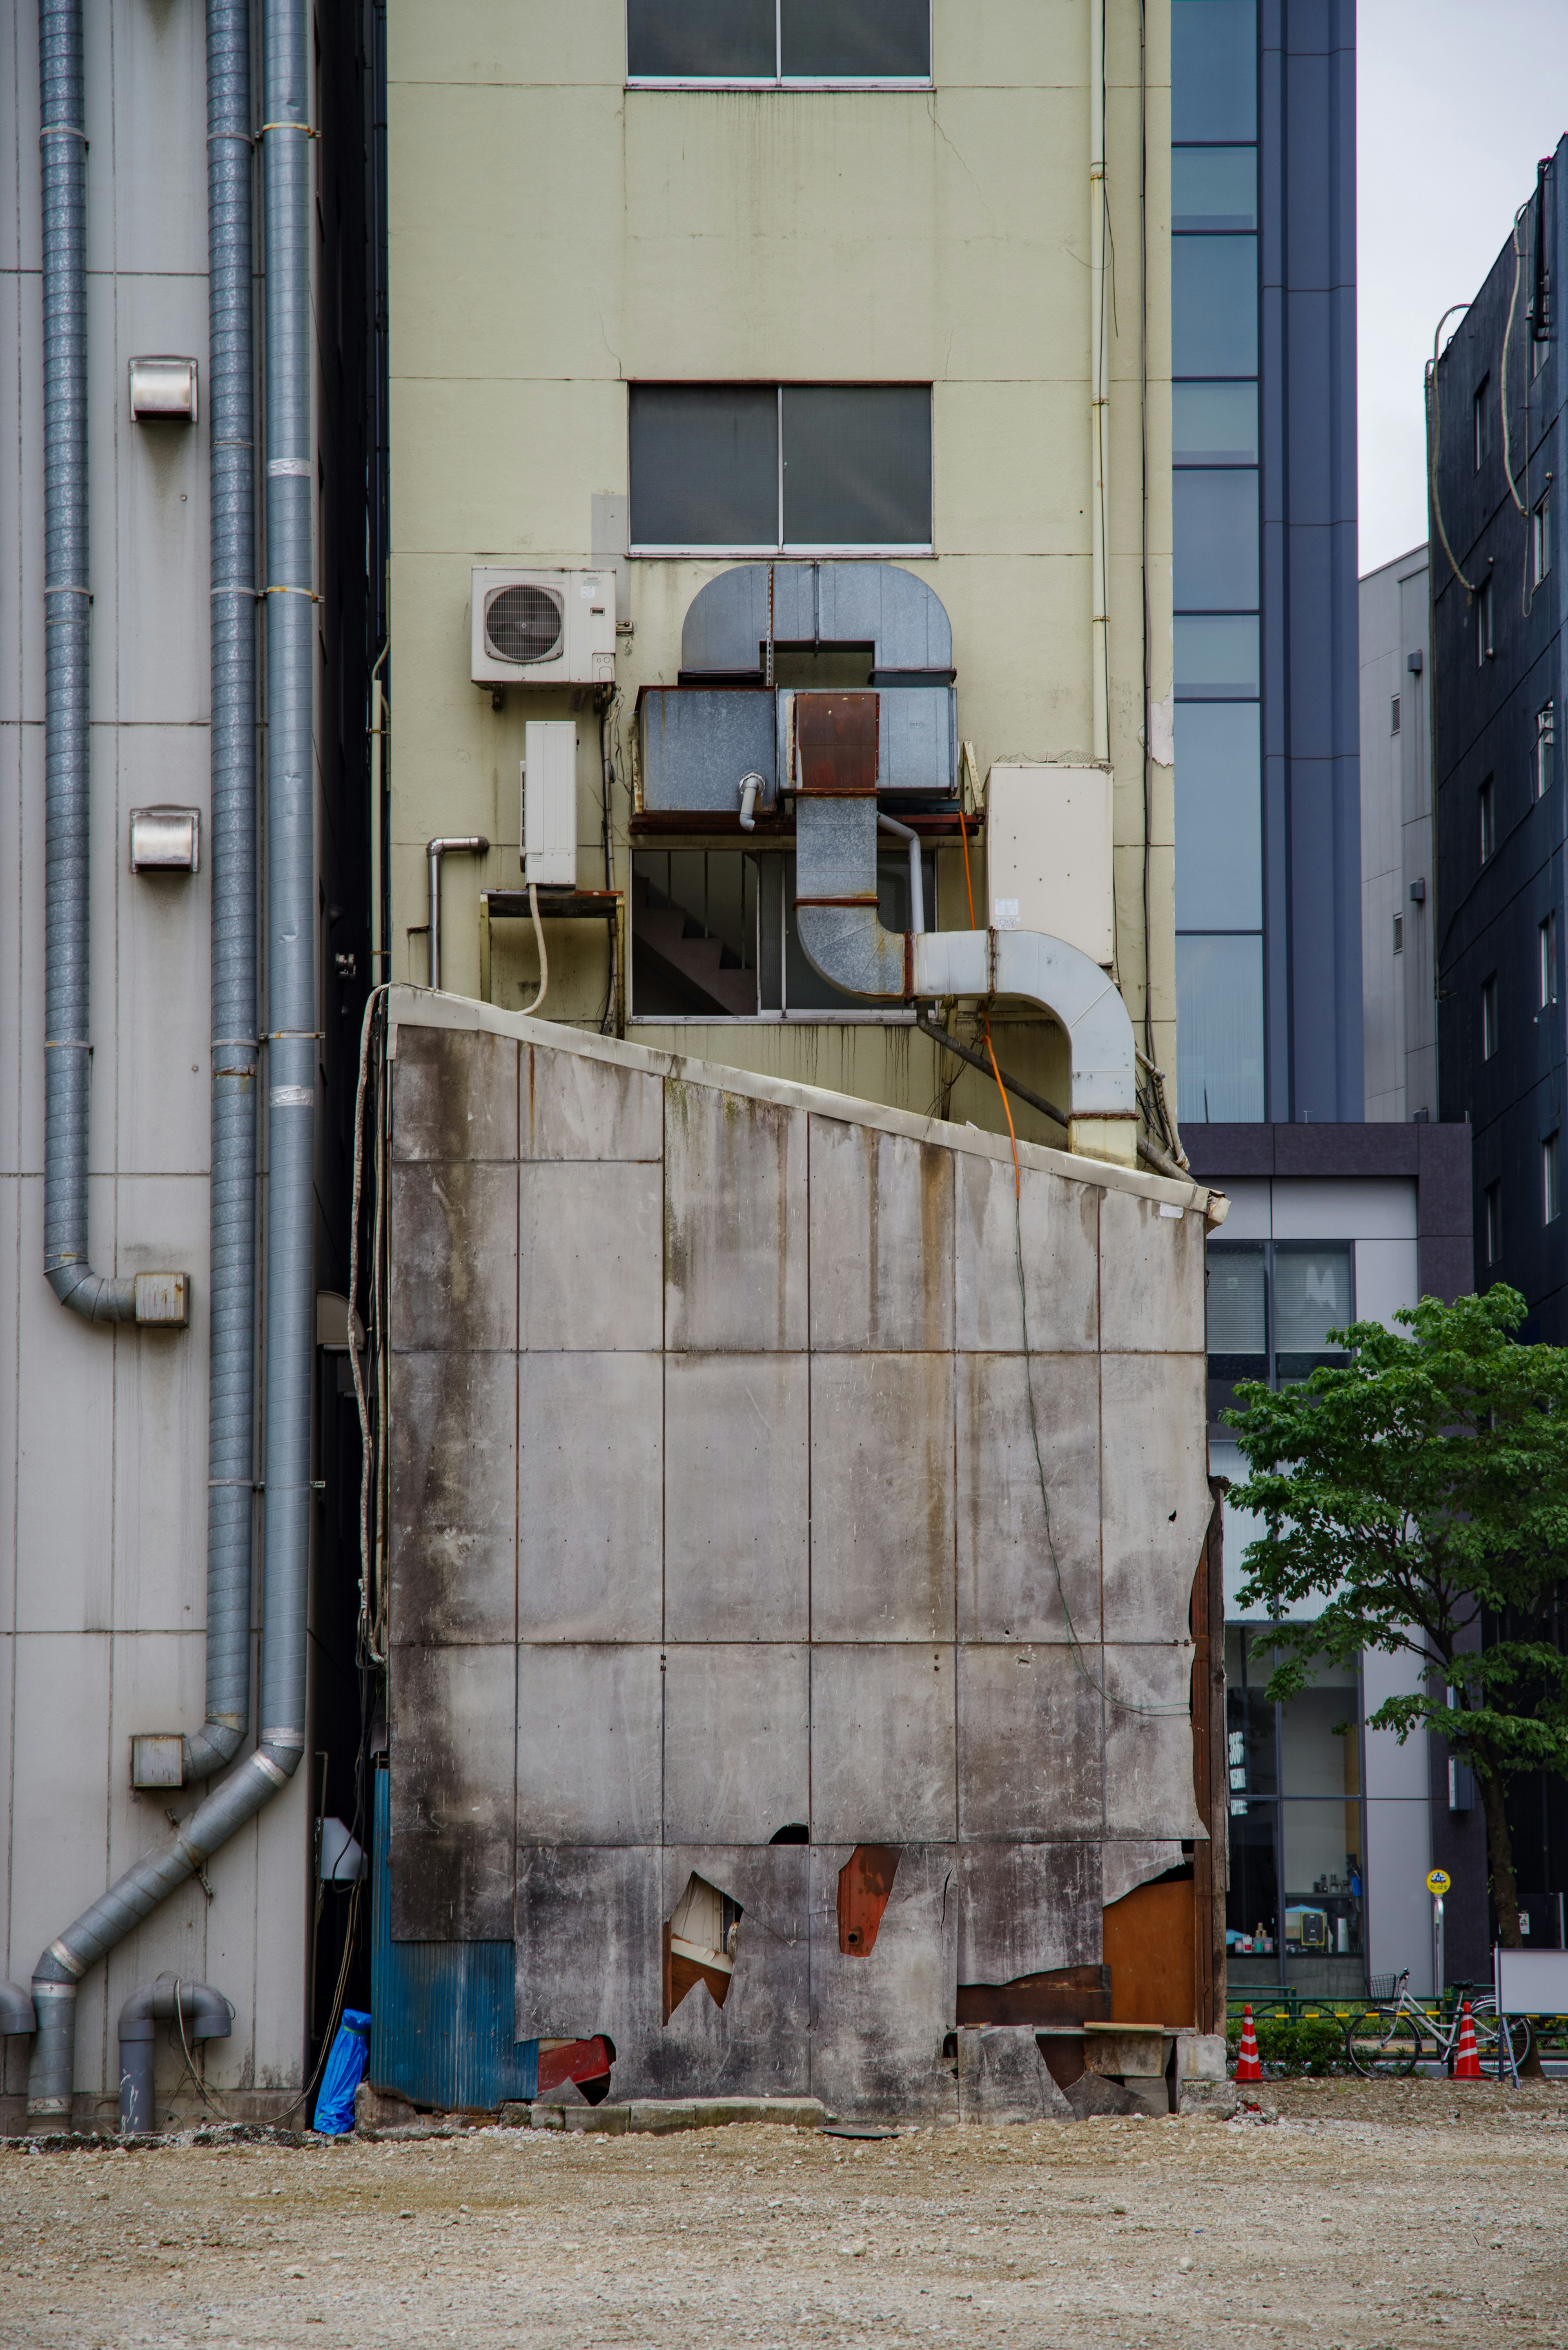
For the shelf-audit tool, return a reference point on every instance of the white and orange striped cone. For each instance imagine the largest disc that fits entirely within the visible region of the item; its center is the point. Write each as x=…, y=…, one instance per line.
x=1247, y=2067
x=1467, y=2061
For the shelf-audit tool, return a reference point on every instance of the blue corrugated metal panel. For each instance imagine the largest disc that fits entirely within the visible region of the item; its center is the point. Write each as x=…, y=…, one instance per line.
x=442, y=2012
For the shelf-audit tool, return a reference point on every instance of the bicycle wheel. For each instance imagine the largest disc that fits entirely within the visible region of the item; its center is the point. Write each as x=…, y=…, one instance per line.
x=1383, y=2043
x=1488, y=2039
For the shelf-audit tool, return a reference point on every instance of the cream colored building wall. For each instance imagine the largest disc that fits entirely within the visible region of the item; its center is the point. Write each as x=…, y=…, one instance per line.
x=556, y=237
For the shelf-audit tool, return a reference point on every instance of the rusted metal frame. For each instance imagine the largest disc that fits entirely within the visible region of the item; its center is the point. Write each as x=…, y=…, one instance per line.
x=1211, y=1777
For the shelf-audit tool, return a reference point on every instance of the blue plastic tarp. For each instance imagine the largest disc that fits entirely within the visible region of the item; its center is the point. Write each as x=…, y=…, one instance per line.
x=345, y=2070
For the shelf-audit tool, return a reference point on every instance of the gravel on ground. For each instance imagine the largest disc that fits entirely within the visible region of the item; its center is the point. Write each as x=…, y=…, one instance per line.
x=1368, y=2215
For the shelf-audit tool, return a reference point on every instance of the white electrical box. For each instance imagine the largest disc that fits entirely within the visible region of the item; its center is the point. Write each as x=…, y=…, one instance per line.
x=1048, y=854
x=549, y=829
x=543, y=628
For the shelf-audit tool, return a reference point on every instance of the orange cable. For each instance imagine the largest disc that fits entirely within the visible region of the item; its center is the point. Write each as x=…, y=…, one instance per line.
x=985, y=1022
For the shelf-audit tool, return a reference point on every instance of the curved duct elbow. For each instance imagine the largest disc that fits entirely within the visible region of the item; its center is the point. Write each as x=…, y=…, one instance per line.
x=201, y=2013
x=17, y=2020
x=751, y=785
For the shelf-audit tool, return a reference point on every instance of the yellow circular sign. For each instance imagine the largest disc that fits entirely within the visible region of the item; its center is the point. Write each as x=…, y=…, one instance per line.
x=1437, y=1882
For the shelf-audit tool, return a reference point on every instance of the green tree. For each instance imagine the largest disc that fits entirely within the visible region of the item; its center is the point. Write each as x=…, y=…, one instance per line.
x=1406, y=1494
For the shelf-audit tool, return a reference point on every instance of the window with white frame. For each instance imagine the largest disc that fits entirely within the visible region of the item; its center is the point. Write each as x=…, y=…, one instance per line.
x=1483, y=623
x=1486, y=808
x=1541, y=541
x=1545, y=734
x=778, y=41
x=1488, y=1018
x=769, y=469
x=1491, y=1201
x=1551, y=1185
x=1394, y=715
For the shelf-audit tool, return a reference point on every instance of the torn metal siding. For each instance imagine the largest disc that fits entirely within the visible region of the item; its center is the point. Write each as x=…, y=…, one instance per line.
x=769, y=1548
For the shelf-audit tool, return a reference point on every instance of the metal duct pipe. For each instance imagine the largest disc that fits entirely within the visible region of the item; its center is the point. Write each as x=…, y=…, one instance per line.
x=16, y=2015
x=291, y=913
x=230, y=1400
x=472, y=844
x=917, y=878
x=842, y=935
x=67, y=621
x=202, y=2014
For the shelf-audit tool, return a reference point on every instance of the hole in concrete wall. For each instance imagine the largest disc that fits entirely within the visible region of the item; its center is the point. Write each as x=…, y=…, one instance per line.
x=792, y=1832
x=585, y=2062
x=864, y=1882
x=1064, y=2055
x=699, y=1943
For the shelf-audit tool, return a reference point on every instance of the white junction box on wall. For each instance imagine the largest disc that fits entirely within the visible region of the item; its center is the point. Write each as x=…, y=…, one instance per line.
x=1048, y=854
x=543, y=628
x=549, y=781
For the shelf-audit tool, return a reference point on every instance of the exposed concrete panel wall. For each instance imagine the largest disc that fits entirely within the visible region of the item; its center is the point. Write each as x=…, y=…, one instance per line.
x=766, y=1547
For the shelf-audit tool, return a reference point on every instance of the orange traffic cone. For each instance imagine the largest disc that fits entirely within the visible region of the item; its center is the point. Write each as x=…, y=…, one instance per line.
x=1466, y=2062
x=1247, y=2068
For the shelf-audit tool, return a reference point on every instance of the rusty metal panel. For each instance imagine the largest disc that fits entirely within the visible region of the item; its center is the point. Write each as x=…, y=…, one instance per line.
x=454, y=1255
x=1025, y=1909
x=735, y=1262
x=453, y=1791
x=882, y=1497
x=590, y=1255
x=575, y=1107
x=1029, y=1730
x=879, y=2023
x=881, y=1240
x=834, y=741
x=737, y=1760
x=588, y=1739
x=454, y=1095
x=1151, y=1942
x=757, y=2043
x=454, y=1498
x=441, y=2029
x=1013, y=1568
x=882, y=1744
x=590, y=1454
x=737, y=1471
x=865, y=1885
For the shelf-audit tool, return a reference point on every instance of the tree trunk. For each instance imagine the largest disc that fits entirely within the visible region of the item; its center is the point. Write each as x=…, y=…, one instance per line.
x=1504, y=1889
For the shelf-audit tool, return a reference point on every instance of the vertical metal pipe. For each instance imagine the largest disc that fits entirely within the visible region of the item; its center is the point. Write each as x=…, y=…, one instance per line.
x=1099, y=386
x=231, y=1403
x=291, y=866
x=68, y=609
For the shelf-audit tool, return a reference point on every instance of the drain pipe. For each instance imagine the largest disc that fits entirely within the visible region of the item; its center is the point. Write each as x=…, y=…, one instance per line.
x=840, y=931
x=202, y=2013
x=291, y=910
x=472, y=844
x=917, y=877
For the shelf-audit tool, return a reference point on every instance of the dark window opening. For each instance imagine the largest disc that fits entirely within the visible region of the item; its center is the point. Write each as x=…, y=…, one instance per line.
x=1492, y=1223
x=1486, y=809
x=757, y=40
x=1488, y=1017
x=1394, y=715
x=1272, y=1306
x=758, y=469
x=1482, y=420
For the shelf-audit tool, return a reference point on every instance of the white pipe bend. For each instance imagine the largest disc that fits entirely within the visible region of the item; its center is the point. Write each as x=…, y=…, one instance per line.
x=1064, y=982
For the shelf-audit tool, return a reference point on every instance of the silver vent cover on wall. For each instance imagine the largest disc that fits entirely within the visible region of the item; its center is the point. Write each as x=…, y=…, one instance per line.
x=522, y=623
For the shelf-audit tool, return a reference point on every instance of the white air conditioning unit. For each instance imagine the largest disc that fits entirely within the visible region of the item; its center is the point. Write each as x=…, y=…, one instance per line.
x=543, y=627
x=549, y=780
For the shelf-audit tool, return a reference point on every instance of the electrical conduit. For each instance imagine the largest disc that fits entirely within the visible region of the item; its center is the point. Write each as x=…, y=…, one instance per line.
x=291, y=912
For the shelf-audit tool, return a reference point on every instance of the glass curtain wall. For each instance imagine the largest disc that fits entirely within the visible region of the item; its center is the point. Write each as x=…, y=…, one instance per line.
x=1219, y=734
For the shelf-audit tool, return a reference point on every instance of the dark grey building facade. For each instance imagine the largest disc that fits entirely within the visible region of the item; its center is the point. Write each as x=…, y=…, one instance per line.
x=1267, y=824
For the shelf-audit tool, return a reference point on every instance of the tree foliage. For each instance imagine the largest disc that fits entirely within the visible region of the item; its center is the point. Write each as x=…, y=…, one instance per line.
x=1406, y=1495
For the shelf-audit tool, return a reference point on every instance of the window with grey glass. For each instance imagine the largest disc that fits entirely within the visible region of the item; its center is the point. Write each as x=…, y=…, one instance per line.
x=1491, y=1221
x=1488, y=1018
x=1272, y=1308
x=778, y=40
x=1552, y=1196
x=1486, y=809
x=756, y=469
x=1480, y=409
x=713, y=935
x=1216, y=540
x=1213, y=70
x=1214, y=305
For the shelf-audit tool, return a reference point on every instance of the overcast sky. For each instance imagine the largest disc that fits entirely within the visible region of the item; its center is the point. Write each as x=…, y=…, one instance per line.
x=1456, y=99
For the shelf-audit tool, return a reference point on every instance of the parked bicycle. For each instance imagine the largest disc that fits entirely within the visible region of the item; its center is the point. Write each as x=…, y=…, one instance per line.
x=1388, y=2041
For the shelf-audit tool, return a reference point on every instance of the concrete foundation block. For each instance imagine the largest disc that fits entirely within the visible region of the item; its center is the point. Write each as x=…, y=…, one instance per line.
x=454, y=1497
x=1010, y=1585
x=1029, y=1741
x=737, y=1513
x=575, y=1107
x=454, y=1095
x=590, y=1261
x=881, y=1240
x=453, y=1739
x=1060, y=1223
x=589, y=1735
x=589, y=1475
x=1003, y=2077
x=882, y=1497
x=1209, y=2100
x=1200, y=2056
x=737, y=1760
x=882, y=1748
x=1092, y=2097
x=735, y=1262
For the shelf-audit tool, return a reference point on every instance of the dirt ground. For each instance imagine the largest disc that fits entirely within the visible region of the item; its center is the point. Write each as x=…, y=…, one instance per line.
x=1368, y=2215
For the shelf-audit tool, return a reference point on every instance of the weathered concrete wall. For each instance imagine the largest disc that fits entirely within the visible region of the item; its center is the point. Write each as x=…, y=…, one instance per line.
x=717, y=1515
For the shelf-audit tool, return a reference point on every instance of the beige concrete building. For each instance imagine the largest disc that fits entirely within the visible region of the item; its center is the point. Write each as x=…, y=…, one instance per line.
x=621, y=243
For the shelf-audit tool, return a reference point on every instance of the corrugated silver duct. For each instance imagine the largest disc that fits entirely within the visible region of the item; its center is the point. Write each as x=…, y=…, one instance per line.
x=230, y=1401
x=292, y=980
x=68, y=622
x=201, y=2014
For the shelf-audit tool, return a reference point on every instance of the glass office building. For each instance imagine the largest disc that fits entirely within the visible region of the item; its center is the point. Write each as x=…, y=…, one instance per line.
x=1263, y=355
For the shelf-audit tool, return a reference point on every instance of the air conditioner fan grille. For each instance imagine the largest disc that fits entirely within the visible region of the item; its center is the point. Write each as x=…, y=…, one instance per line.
x=523, y=624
